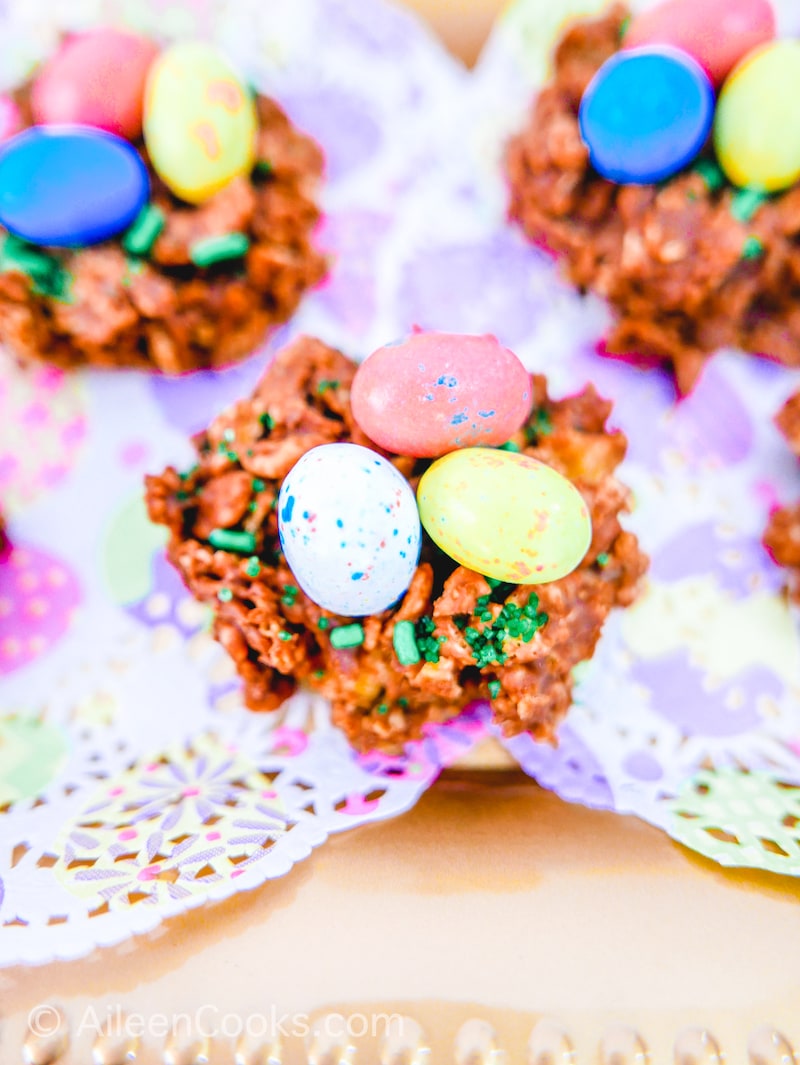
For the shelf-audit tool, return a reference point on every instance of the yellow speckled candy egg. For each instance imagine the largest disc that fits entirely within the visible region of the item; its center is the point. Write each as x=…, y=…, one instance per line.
x=199, y=121
x=505, y=515
x=757, y=124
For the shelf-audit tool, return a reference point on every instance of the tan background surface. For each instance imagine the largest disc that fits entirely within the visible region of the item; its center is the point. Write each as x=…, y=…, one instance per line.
x=491, y=899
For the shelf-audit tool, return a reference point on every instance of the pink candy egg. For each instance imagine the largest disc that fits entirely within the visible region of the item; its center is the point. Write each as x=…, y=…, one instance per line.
x=437, y=392
x=96, y=79
x=717, y=33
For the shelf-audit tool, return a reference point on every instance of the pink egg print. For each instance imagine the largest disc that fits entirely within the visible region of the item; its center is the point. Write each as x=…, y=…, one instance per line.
x=38, y=594
x=43, y=407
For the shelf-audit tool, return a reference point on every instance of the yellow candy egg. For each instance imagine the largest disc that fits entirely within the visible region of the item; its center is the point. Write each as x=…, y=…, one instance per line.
x=757, y=124
x=505, y=515
x=200, y=121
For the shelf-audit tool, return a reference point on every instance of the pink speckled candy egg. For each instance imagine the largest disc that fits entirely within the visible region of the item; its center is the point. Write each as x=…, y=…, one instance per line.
x=436, y=392
x=96, y=79
x=505, y=515
x=37, y=597
x=717, y=33
x=349, y=528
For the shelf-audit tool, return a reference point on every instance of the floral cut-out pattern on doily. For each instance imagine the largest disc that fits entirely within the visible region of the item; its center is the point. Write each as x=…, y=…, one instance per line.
x=738, y=818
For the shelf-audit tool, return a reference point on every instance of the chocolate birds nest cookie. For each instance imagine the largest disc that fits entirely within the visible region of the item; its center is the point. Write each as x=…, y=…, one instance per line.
x=689, y=264
x=454, y=635
x=187, y=281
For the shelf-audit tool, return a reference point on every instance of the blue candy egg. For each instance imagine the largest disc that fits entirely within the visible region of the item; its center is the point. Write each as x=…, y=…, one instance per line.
x=70, y=185
x=645, y=114
x=349, y=528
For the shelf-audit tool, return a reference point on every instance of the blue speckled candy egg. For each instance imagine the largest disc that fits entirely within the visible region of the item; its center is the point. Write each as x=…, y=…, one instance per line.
x=70, y=185
x=646, y=114
x=349, y=529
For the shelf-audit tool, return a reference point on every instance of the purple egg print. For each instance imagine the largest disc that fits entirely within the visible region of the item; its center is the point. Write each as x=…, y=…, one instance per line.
x=678, y=695
x=353, y=239
x=349, y=135
x=737, y=562
x=166, y=601
x=488, y=287
x=38, y=595
x=712, y=424
x=570, y=769
x=641, y=400
x=388, y=32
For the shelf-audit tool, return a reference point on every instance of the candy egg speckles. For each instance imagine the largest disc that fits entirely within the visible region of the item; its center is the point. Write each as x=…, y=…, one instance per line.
x=505, y=515
x=645, y=114
x=199, y=121
x=96, y=79
x=349, y=529
x=436, y=392
x=757, y=125
x=717, y=33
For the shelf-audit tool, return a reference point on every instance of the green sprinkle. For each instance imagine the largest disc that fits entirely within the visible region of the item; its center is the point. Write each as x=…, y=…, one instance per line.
x=133, y=267
x=263, y=167
x=494, y=688
x=213, y=250
x=710, y=173
x=267, y=421
x=487, y=645
x=47, y=275
x=405, y=643
x=144, y=232
x=382, y=708
x=284, y=635
x=623, y=27
x=324, y=385
x=745, y=203
x=318, y=674
x=347, y=636
x=232, y=540
x=539, y=424
x=16, y=254
x=251, y=506
x=752, y=248
x=509, y=445
x=323, y=623
x=602, y=559
x=290, y=593
x=258, y=485
x=252, y=566
x=402, y=702
x=224, y=595
x=427, y=642
x=188, y=473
